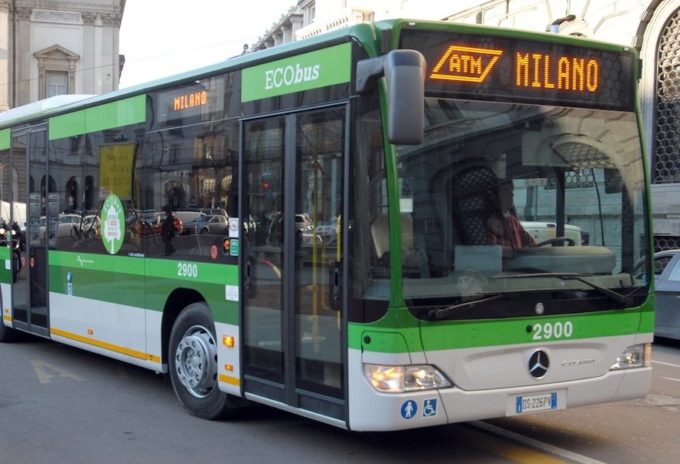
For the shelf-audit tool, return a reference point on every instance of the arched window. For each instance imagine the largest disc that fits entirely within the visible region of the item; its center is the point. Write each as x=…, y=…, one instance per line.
x=175, y=194
x=47, y=185
x=71, y=194
x=89, y=193
x=666, y=144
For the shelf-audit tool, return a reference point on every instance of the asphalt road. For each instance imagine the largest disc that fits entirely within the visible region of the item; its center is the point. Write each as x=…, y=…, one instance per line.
x=62, y=405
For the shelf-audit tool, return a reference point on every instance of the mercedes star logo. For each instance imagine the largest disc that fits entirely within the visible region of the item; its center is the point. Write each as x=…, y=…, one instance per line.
x=538, y=364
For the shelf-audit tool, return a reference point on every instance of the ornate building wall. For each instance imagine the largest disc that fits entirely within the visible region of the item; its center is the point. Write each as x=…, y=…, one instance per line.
x=55, y=46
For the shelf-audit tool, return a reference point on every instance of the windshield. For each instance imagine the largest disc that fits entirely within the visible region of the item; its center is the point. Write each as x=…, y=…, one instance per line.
x=517, y=199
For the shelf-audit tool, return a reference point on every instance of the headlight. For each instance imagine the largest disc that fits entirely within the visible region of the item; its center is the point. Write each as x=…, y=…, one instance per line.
x=634, y=356
x=399, y=379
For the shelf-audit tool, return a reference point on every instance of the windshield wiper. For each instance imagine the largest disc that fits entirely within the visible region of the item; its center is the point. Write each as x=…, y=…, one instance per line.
x=619, y=298
x=437, y=314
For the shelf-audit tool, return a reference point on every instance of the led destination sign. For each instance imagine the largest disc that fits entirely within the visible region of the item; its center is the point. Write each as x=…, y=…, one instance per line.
x=535, y=70
x=500, y=68
x=188, y=104
x=190, y=100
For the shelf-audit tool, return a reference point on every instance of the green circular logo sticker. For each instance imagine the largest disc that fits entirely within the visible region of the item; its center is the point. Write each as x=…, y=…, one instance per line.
x=113, y=224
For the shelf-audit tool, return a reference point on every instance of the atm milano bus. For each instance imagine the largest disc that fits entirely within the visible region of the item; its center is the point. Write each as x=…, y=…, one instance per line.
x=308, y=227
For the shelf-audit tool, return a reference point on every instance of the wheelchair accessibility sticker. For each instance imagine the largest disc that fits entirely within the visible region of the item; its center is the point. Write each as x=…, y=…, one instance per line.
x=409, y=408
x=430, y=407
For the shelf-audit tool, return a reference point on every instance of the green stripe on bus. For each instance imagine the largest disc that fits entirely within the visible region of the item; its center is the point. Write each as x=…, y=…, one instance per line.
x=648, y=319
x=97, y=118
x=142, y=293
x=98, y=286
x=477, y=334
x=121, y=280
x=5, y=274
x=97, y=262
x=192, y=272
x=5, y=139
x=188, y=271
x=312, y=70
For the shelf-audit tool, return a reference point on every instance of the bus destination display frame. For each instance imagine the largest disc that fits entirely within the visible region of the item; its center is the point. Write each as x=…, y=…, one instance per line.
x=498, y=68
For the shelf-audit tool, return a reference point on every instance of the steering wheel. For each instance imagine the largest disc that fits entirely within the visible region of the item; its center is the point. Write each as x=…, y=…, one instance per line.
x=556, y=240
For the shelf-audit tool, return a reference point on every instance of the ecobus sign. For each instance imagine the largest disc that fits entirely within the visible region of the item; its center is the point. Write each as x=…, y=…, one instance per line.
x=308, y=71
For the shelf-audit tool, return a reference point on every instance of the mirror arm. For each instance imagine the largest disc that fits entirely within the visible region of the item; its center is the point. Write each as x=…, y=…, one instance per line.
x=367, y=72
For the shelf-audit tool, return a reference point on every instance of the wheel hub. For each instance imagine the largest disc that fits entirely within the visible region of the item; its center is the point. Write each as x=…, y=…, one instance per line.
x=196, y=361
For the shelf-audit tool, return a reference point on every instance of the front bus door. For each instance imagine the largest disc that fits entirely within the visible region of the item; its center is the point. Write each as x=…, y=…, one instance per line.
x=291, y=255
x=31, y=192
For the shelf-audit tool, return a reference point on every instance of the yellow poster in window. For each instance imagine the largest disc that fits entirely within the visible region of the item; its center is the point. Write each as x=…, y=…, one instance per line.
x=116, y=165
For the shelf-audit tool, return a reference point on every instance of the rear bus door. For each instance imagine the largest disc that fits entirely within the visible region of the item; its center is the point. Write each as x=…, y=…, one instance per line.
x=33, y=207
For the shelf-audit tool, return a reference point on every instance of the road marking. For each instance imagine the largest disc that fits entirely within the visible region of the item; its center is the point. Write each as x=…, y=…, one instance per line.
x=666, y=364
x=553, y=450
x=41, y=368
x=502, y=446
x=671, y=378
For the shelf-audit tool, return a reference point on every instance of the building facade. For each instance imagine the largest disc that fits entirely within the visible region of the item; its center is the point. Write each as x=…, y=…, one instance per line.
x=651, y=26
x=55, y=47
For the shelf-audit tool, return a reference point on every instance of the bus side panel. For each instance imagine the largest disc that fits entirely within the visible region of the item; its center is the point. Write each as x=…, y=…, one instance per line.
x=154, y=337
x=228, y=356
x=111, y=329
x=6, y=304
x=96, y=303
x=5, y=285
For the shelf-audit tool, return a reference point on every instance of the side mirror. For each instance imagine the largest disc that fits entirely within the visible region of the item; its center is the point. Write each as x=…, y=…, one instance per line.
x=405, y=79
x=404, y=72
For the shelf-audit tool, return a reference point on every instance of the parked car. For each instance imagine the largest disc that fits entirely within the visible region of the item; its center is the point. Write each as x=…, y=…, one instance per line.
x=214, y=224
x=328, y=231
x=65, y=226
x=89, y=226
x=150, y=224
x=667, y=283
x=303, y=226
x=186, y=216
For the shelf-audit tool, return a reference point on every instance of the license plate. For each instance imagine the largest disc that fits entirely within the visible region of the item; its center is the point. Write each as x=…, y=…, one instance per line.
x=532, y=403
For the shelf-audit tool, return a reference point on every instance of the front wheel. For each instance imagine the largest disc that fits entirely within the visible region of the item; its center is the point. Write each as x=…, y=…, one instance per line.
x=192, y=356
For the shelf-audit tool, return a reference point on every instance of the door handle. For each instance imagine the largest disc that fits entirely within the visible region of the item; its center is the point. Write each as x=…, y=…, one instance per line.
x=248, y=280
x=335, y=295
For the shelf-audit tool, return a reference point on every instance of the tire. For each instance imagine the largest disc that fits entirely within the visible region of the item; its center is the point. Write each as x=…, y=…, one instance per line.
x=192, y=356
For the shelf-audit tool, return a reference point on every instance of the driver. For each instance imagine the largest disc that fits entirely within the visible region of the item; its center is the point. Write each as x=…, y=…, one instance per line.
x=503, y=225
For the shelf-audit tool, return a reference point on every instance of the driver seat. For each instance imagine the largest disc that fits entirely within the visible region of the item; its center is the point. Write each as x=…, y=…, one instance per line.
x=472, y=192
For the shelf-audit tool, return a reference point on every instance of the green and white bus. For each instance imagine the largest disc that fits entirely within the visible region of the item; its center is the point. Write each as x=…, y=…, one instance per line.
x=306, y=227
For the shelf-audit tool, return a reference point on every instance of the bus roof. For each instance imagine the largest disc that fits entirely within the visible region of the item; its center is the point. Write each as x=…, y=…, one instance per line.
x=369, y=34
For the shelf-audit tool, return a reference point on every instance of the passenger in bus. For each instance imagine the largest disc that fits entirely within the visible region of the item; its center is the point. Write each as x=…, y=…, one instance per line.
x=168, y=231
x=17, y=249
x=504, y=226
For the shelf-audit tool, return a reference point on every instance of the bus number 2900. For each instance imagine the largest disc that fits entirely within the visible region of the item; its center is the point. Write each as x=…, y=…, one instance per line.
x=550, y=331
x=187, y=270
